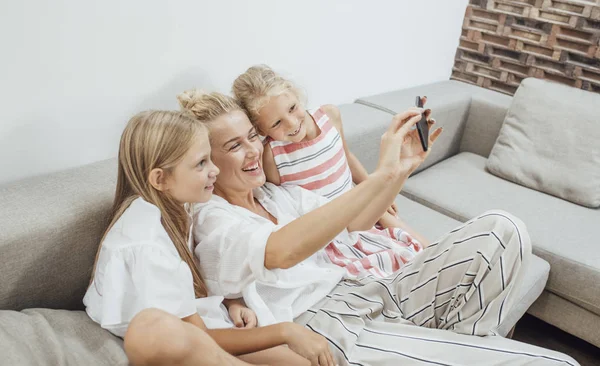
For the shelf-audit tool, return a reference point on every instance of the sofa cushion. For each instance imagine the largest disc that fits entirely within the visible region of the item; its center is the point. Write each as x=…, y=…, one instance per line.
x=433, y=225
x=56, y=337
x=50, y=227
x=429, y=223
x=562, y=233
x=549, y=142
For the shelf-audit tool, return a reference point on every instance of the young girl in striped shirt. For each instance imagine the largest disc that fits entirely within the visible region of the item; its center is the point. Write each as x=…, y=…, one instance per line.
x=308, y=149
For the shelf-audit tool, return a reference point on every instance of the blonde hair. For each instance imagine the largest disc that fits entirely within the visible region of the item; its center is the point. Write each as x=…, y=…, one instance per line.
x=257, y=85
x=156, y=139
x=206, y=107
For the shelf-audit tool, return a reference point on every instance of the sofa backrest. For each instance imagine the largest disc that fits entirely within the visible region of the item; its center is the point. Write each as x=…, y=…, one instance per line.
x=485, y=118
x=50, y=227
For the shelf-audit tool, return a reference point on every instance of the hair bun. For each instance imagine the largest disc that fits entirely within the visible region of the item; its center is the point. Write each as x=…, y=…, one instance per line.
x=189, y=98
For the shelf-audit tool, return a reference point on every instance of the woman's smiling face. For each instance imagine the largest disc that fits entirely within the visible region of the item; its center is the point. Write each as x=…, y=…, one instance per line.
x=237, y=152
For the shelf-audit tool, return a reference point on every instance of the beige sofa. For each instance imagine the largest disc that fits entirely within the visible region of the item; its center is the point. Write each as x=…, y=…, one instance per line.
x=50, y=227
x=455, y=185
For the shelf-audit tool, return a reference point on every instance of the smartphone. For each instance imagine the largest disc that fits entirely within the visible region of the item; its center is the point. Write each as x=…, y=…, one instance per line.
x=422, y=127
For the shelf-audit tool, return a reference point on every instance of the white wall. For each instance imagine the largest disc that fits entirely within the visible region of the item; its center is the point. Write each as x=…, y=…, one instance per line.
x=73, y=71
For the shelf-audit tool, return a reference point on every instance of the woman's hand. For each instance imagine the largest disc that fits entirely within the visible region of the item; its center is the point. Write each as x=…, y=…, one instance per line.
x=308, y=344
x=392, y=141
x=241, y=316
x=401, y=151
x=412, y=154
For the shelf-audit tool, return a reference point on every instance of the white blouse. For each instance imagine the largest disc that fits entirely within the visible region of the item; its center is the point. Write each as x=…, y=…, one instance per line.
x=139, y=268
x=231, y=250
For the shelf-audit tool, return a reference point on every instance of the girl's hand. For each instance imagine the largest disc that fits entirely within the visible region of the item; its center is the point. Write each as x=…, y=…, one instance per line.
x=308, y=344
x=393, y=209
x=242, y=316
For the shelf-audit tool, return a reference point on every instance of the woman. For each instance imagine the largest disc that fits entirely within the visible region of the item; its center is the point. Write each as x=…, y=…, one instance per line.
x=145, y=284
x=264, y=242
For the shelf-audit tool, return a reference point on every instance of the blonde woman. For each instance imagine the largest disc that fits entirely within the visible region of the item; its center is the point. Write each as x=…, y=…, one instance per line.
x=146, y=286
x=265, y=242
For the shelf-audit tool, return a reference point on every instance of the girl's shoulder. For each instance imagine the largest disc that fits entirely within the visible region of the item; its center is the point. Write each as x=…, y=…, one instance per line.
x=139, y=225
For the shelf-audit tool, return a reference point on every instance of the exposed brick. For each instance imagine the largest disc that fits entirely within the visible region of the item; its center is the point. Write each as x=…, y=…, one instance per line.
x=485, y=71
x=477, y=3
x=514, y=80
x=523, y=35
x=587, y=63
x=464, y=77
x=460, y=66
x=528, y=25
x=568, y=7
x=575, y=35
x=508, y=7
x=499, y=86
x=595, y=13
x=591, y=25
x=508, y=55
x=513, y=68
x=538, y=51
x=555, y=18
x=473, y=57
x=485, y=16
x=563, y=80
x=495, y=40
x=550, y=66
x=504, y=41
x=590, y=76
x=482, y=26
x=471, y=46
x=582, y=49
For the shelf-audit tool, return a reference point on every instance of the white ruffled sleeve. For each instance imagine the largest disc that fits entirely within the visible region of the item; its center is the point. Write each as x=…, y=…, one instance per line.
x=231, y=251
x=138, y=277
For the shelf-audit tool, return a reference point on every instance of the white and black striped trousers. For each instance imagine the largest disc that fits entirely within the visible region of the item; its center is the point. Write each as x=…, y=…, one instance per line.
x=445, y=307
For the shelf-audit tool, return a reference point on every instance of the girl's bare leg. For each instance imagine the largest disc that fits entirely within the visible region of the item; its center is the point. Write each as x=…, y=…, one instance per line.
x=155, y=337
x=275, y=356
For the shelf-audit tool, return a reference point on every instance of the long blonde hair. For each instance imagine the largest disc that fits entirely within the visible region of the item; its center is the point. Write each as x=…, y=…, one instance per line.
x=206, y=107
x=257, y=85
x=156, y=139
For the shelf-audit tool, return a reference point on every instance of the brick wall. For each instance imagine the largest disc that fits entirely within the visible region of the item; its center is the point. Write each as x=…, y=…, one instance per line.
x=504, y=41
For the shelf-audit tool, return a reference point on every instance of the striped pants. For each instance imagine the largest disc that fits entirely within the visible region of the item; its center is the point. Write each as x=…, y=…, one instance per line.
x=445, y=307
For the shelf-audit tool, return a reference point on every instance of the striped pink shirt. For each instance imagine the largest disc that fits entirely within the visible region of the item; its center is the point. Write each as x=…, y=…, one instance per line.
x=318, y=165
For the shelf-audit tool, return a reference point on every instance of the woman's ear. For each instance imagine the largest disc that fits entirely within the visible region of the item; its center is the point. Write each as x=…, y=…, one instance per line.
x=158, y=179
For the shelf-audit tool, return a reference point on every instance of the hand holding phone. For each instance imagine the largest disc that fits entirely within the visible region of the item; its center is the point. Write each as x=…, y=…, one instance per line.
x=422, y=126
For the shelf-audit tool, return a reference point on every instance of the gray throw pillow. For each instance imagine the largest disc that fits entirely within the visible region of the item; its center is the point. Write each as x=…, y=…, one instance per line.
x=550, y=142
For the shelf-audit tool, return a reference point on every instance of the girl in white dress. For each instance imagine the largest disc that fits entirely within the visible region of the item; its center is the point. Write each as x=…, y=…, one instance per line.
x=145, y=284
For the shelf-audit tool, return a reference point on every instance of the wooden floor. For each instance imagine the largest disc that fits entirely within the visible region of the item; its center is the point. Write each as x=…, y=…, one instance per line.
x=534, y=331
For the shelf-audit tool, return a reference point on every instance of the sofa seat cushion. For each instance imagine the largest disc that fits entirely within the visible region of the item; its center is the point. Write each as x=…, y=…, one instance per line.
x=549, y=145
x=433, y=225
x=429, y=223
x=562, y=233
x=56, y=337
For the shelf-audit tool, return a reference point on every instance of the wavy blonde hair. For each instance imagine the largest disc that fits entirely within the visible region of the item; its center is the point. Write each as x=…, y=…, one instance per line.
x=206, y=107
x=156, y=139
x=257, y=85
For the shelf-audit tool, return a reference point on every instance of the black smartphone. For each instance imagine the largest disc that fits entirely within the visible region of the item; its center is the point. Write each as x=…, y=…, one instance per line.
x=422, y=127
